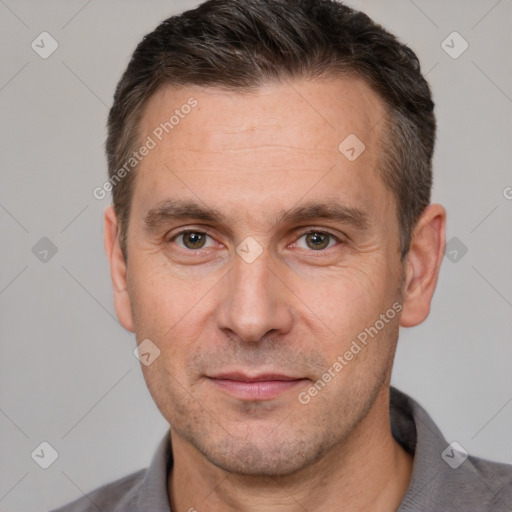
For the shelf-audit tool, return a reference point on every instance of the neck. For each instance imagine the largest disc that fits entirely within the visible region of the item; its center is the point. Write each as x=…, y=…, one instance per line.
x=367, y=471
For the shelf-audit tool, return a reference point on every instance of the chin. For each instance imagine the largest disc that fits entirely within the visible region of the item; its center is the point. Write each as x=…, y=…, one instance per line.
x=276, y=459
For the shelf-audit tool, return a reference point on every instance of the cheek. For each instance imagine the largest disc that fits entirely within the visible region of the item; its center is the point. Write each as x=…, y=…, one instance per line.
x=154, y=299
x=169, y=309
x=347, y=298
x=350, y=303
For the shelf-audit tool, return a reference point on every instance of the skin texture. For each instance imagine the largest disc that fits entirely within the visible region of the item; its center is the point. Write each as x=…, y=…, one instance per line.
x=293, y=310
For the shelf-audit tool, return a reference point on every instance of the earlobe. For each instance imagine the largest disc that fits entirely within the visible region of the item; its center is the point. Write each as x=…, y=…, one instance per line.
x=118, y=270
x=422, y=265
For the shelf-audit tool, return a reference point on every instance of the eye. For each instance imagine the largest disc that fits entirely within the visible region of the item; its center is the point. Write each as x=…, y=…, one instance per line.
x=191, y=239
x=317, y=240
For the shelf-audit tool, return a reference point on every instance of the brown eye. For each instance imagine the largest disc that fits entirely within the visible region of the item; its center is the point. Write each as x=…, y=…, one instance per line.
x=191, y=240
x=317, y=240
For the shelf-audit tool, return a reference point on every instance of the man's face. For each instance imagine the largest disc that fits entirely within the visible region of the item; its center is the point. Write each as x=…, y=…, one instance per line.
x=222, y=313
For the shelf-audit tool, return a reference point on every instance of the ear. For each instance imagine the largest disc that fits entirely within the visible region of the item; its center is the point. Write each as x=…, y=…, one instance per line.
x=422, y=265
x=118, y=270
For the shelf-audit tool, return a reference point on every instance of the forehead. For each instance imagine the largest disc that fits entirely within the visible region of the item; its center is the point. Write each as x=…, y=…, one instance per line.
x=275, y=141
x=302, y=114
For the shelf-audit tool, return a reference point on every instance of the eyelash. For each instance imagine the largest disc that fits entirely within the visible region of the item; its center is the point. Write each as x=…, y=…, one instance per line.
x=304, y=233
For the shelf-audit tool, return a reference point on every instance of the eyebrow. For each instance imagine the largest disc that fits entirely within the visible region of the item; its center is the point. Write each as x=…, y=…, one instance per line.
x=176, y=210
x=327, y=211
x=173, y=210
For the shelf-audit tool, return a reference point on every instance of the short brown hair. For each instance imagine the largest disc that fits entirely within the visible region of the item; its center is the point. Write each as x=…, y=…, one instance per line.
x=242, y=44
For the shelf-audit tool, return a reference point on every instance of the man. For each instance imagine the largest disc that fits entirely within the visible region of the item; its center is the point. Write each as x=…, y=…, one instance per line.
x=271, y=229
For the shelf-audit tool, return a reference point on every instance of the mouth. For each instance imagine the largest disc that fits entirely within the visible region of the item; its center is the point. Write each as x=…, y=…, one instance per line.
x=255, y=387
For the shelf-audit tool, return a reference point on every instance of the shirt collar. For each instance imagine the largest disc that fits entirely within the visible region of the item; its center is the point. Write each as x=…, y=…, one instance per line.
x=154, y=491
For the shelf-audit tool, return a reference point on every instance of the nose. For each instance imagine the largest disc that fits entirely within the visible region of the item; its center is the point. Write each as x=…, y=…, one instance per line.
x=256, y=303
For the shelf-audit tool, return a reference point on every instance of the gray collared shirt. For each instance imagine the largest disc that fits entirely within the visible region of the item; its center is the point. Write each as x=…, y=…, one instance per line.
x=443, y=478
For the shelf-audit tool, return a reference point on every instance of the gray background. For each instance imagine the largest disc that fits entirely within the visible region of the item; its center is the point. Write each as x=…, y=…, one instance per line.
x=67, y=372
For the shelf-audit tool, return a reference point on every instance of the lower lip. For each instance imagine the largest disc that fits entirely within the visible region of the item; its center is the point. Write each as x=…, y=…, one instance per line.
x=260, y=390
